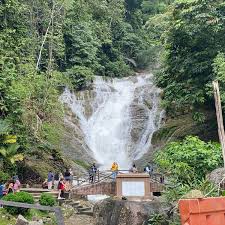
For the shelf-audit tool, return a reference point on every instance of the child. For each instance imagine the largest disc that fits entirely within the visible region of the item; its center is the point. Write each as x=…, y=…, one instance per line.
x=61, y=189
x=17, y=184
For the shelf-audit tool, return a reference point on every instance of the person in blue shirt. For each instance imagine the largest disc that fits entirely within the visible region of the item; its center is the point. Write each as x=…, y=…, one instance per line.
x=2, y=187
x=50, y=179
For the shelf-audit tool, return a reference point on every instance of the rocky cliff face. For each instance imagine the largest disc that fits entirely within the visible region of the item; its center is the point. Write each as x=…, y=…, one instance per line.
x=119, y=212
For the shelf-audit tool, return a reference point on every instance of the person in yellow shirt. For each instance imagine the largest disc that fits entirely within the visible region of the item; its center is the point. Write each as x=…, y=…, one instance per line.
x=114, y=169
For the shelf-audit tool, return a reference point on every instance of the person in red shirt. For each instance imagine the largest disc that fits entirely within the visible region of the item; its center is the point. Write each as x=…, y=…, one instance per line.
x=61, y=188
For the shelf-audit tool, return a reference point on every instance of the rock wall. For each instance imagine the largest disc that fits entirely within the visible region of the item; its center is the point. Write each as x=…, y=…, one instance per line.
x=119, y=212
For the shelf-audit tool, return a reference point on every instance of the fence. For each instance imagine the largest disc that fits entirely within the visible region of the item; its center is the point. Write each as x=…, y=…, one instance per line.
x=56, y=210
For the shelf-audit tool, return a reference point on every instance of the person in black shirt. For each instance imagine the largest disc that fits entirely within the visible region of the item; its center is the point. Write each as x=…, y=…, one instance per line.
x=94, y=170
x=56, y=181
x=67, y=175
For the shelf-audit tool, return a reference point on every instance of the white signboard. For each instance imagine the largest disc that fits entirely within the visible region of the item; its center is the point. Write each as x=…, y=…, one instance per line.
x=133, y=188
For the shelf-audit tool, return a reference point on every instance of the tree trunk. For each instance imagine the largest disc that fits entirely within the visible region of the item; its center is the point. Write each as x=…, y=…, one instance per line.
x=219, y=116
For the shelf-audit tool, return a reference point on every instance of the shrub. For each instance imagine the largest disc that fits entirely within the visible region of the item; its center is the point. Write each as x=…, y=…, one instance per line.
x=4, y=177
x=118, y=69
x=190, y=159
x=157, y=219
x=47, y=199
x=18, y=197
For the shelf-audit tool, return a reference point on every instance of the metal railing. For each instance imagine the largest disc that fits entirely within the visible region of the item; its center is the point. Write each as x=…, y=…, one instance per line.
x=107, y=175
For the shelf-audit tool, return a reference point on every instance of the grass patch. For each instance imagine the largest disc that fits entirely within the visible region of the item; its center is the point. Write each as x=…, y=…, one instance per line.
x=39, y=214
x=6, y=218
x=82, y=164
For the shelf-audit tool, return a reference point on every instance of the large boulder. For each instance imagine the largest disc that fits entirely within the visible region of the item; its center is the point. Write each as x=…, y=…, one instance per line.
x=119, y=212
x=21, y=221
x=216, y=176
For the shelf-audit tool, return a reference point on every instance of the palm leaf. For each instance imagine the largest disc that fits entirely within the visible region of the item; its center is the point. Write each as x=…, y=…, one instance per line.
x=12, y=150
x=4, y=127
x=3, y=152
x=16, y=158
x=9, y=139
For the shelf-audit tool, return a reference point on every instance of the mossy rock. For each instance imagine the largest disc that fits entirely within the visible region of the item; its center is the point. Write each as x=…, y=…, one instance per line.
x=181, y=126
x=193, y=194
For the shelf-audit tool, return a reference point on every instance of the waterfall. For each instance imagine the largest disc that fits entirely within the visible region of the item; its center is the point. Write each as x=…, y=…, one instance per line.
x=117, y=117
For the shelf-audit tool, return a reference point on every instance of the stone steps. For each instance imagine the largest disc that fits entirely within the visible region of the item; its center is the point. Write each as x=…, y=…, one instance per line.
x=88, y=213
x=87, y=210
x=36, y=192
x=83, y=209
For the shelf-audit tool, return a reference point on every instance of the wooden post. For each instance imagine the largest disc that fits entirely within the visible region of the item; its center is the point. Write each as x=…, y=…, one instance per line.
x=219, y=116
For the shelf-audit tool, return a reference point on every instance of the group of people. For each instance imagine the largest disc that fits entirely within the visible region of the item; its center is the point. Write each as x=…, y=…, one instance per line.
x=59, y=182
x=63, y=182
x=11, y=186
x=92, y=173
x=115, y=169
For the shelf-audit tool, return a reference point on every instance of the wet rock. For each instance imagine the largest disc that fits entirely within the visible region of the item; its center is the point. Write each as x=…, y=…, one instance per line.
x=117, y=212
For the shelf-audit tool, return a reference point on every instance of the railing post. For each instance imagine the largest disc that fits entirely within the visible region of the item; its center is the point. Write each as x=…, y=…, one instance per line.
x=98, y=175
x=59, y=216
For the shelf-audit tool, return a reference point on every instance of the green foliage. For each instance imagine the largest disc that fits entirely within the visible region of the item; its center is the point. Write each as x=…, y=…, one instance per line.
x=177, y=190
x=190, y=159
x=157, y=219
x=4, y=177
x=102, y=35
x=82, y=164
x=80, y=76
x=117, y=69
x=219, y=73
x=192, y=41
x=47, y=199
x=18, y=197
x=47, y=45
x=9, y=149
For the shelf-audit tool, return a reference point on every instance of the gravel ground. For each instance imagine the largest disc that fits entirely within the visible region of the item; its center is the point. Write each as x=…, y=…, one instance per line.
x=79, y=220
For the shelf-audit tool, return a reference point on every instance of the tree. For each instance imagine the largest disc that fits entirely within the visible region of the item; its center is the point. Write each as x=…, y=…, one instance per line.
x=192, y=43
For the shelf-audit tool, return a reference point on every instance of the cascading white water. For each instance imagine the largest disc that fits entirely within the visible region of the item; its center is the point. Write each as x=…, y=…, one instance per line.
x=108, y=127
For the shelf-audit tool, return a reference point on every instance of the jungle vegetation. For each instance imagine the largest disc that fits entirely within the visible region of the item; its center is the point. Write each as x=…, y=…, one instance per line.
x=46, y=45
